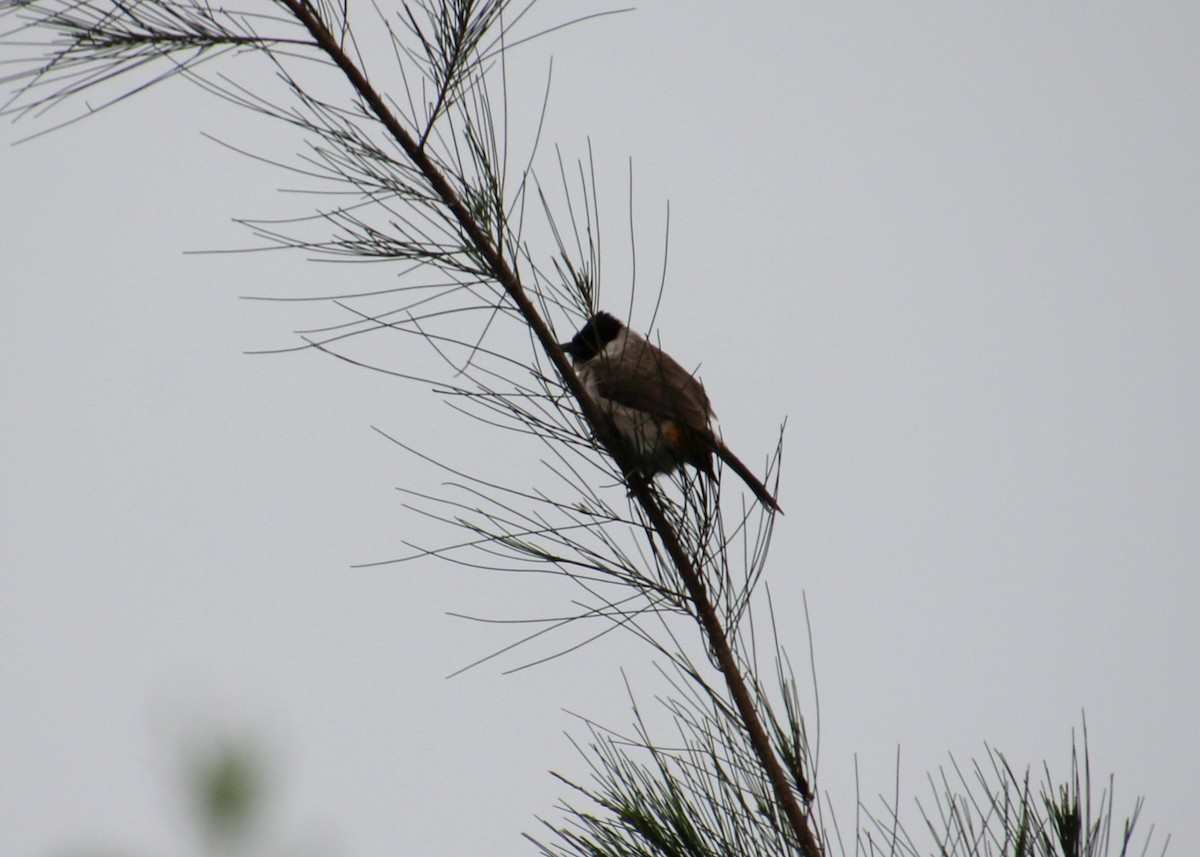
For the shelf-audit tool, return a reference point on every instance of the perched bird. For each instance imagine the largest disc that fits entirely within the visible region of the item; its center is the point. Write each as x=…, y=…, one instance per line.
x=656, y=406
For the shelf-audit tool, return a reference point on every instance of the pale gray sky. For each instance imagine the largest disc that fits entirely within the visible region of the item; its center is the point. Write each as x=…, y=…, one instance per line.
x=959, y=247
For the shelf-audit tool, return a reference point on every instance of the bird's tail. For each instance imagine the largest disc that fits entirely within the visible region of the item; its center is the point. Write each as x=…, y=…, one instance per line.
x=753, y=482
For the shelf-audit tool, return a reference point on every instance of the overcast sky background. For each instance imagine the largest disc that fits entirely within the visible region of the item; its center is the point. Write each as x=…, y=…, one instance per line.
x=956, y=247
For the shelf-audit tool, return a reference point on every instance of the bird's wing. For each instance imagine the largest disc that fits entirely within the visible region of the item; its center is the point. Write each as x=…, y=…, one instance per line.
x=643, y=377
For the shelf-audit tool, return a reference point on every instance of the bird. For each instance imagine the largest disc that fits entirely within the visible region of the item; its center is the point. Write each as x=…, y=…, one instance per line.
x=657, y=407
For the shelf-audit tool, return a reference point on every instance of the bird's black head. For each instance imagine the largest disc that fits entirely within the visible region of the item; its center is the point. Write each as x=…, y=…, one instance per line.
x=600, y=330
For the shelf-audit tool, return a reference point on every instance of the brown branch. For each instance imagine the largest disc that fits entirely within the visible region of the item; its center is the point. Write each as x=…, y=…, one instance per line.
x=504, y=274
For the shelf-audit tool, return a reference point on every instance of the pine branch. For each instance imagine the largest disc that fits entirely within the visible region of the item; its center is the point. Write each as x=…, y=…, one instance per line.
x=499, y=268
